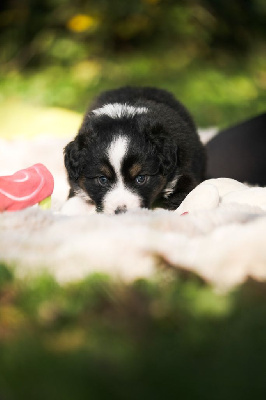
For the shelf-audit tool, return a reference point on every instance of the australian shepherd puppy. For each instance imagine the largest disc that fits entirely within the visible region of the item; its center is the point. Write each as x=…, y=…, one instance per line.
x=136, y=147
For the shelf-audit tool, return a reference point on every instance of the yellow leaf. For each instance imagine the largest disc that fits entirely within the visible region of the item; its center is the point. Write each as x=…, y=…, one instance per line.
x=81, y=23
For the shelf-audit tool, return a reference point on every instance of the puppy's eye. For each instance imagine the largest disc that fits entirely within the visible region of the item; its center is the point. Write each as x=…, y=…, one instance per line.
x=102, y=180
x=140, y=179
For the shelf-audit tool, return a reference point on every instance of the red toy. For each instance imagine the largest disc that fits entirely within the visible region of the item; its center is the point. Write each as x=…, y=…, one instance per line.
x=25, y=188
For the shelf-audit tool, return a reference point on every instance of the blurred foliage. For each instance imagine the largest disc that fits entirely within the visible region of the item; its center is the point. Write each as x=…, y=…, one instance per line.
x=35, y=32
x=218, y=95
x=209, y=53
x=170, y=337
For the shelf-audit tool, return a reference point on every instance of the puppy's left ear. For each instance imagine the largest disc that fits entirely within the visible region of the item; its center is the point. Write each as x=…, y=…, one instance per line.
x=165, y=148
x=74, y=160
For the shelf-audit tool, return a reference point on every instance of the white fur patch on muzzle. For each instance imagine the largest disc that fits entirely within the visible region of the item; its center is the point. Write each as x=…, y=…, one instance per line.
x=120, y=199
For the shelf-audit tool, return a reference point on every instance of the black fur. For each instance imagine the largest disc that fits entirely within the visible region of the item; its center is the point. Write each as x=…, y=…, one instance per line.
x=164, y=141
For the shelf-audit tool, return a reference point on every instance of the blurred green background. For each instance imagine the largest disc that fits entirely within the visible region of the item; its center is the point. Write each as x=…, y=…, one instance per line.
x=209, y=53
x=174, y=336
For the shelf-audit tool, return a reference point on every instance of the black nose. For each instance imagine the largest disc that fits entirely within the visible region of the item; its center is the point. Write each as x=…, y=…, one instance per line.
x=121, y=209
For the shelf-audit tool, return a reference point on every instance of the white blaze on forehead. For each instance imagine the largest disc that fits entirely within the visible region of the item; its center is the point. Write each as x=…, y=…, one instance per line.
x=119, y=196
x=118, y=110
x=116, y=153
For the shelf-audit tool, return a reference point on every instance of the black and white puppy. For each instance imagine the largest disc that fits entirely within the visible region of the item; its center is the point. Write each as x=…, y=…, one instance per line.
x=136, y=147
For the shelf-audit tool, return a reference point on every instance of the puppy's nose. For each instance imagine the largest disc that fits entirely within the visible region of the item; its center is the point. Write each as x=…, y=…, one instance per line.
x=121, y=209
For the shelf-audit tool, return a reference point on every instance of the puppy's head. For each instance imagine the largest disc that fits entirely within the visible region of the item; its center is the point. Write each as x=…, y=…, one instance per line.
x=122, y=159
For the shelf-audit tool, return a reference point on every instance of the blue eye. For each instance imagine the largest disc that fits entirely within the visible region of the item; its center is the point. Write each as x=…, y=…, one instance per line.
x=103, y=180
x=140, y=179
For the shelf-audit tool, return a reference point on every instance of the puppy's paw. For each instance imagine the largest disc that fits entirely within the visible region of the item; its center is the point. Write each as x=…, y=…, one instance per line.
x=77, y=206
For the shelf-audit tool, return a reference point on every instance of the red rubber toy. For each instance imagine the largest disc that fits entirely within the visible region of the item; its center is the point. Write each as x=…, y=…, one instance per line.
x=25, y=188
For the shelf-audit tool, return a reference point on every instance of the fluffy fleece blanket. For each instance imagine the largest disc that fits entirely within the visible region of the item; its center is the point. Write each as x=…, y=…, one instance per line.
x=223, y=240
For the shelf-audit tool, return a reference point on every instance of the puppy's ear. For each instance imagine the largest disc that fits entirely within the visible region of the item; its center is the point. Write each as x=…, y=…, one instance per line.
x=169, y=156
x=74, y=160
x=164, y=147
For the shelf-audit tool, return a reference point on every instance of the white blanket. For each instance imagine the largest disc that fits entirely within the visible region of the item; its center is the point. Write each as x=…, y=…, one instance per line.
x=222, y=240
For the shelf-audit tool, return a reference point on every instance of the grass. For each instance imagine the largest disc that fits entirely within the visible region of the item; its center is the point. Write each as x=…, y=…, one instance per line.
x=217, y=93
x=101, y=339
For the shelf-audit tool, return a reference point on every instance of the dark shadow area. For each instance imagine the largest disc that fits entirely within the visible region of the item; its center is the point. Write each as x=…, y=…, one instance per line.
x=239, y=152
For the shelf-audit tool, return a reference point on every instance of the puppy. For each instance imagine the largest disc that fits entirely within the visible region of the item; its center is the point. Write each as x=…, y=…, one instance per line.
x=136, y=147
